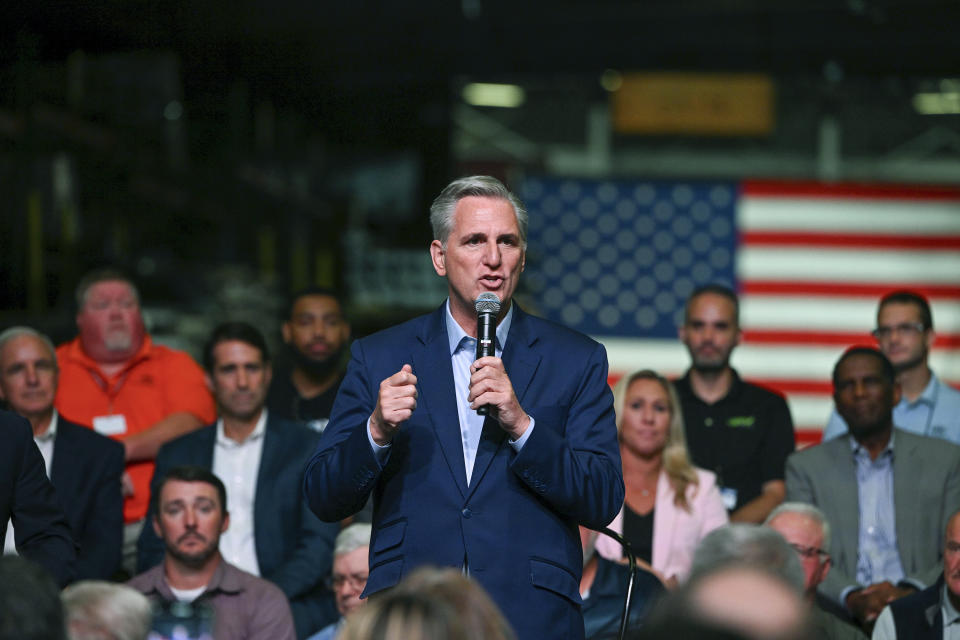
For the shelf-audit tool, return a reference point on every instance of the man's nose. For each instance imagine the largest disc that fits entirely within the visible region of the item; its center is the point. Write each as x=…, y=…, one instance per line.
x=491, y=254
x=32, y=378
x=243, y=380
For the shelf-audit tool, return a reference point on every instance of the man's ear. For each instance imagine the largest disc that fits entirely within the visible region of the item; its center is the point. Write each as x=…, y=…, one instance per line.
x=156, y=526
x=226, y=522
x=285, y=332
x=268, y=373
x=438, y=257
x=209, y=381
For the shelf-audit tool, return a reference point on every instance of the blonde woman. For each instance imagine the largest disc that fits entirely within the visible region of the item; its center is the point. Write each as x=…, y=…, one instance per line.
x=670, y=505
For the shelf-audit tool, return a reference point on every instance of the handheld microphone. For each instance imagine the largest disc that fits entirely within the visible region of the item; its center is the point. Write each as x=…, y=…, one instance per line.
x=488, y=308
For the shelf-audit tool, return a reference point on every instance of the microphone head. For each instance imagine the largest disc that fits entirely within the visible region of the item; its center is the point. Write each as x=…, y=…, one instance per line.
x=487, y=303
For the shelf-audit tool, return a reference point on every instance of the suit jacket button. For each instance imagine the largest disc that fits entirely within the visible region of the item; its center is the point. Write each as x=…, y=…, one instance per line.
x=467, y=513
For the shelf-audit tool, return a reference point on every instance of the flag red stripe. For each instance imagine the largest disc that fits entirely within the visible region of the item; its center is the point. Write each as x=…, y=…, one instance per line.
x=849, y=240
x=784, y=189
x=843, y=289
x=762, y=336
x=808, y=437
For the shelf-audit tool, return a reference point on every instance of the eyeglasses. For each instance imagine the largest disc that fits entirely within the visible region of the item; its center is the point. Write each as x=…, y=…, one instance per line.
x=355, y=580
x=810, y=552
x=908, y=328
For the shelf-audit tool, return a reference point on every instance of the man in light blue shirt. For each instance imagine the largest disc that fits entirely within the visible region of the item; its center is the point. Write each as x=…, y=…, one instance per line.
x=905, y=335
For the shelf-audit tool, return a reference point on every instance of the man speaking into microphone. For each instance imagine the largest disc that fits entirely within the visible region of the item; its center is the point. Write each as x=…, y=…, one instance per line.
x=499, y=495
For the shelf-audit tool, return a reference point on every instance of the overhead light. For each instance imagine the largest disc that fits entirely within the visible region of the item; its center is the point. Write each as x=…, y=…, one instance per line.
x=930, y=104
x=485, y=94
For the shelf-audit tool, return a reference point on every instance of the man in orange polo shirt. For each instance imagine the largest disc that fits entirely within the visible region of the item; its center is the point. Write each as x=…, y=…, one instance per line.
x=114, y=379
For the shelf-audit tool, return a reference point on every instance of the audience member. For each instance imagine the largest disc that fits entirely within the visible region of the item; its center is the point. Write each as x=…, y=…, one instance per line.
x=934, y=613
x=273, y=534
x=670, y=505
x=604, y=587
x=750, y=545
x=84, y=467
x=403, y=615
x=348, y=576
x=806, y=529
x=316, y=334
x=28, y=500
x=114, y=379
x=190, y=507
x=887, y=492
x=740, y=431
x=927, y=406
x=97, y=610
x=481, y=618
x=30, y=606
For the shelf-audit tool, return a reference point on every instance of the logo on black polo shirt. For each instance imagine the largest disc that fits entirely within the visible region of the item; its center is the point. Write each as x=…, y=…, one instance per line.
x=741, y=422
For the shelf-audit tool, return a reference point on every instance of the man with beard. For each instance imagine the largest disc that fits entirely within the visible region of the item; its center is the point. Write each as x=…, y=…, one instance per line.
x=888, y=492
x=261, y=459
x=190, y=508
x=116, y=380
x=927, y=406
x=316, y=334
x=740, y=431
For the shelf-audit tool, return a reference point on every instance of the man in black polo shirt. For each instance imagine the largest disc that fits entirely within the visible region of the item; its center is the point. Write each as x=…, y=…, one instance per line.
x=316, y=334
x=738, y=430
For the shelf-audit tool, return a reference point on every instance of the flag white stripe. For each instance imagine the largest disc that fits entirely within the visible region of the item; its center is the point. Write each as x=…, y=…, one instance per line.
x=881, y=217
x=825, y=313
x=806, y=264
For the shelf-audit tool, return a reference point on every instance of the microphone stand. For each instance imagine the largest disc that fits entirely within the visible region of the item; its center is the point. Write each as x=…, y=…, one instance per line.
x=632, y=560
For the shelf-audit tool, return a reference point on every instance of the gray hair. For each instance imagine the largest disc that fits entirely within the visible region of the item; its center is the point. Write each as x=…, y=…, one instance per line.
x=98, y=610
x=353, y=537
x=15, y=332
x=751, y=545
x=102, y=275
x=443, y=208
x=808, y=510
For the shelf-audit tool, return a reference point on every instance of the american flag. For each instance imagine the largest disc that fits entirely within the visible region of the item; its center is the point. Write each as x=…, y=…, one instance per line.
x=616, y=259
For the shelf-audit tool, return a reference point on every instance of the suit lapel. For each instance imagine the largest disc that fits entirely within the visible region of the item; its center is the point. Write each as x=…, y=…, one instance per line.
x=907, y=476
x=844, y=487
x=60, y=469
x=520, y=364
x=664, y=519
x=437, y=398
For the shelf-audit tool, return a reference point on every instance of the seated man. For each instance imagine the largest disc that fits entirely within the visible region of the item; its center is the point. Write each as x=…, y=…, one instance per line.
x=28, y=500
x=190, y=507
x=262, y=457
x=84, y=467
x=887, y=492
x=349, y=575
x=933, y=613
x=603, y=588
x=806, y=529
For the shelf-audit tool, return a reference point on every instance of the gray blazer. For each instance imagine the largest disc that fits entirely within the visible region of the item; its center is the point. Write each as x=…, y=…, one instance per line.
x=926, y=491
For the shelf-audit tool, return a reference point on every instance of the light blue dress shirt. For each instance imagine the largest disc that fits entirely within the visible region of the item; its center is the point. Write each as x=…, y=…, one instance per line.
x=463, y=350
x=935, y=413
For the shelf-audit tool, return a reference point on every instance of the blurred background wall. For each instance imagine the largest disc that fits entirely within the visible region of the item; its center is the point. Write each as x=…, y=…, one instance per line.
x=805, y=151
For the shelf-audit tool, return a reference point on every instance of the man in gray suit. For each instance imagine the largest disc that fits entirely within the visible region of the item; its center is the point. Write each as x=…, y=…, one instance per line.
x=887, y=492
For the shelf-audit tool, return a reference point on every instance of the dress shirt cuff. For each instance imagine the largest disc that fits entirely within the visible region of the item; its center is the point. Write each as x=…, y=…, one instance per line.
x=522, y=440
x=847, y=591
x=380, y=453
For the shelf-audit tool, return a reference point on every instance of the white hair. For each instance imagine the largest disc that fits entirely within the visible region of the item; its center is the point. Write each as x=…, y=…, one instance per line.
x=353, y=537
x=98, y=610
x=15, y=332
x=808, y=510
x=751, y=545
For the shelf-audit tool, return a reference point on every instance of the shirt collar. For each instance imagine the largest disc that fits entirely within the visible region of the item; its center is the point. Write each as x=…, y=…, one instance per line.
x=929, y=395
x=257, y=432
x=456, y=334
x=51, y=431
x=857, y=449
x=950, y=614
x=75, y=352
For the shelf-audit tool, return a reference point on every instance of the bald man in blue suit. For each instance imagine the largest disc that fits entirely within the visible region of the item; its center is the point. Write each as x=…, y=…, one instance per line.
x=500, y=496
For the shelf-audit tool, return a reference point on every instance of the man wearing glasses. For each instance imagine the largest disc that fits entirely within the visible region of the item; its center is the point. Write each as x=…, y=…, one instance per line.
x=927, y=406
x=806, y=528
x=349, y=576
x=887, y=492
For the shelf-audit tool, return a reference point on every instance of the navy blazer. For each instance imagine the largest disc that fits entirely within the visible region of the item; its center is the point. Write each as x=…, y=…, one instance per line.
x=87, y=472
x=294, y=548
x=515, y=525
x=26, y=496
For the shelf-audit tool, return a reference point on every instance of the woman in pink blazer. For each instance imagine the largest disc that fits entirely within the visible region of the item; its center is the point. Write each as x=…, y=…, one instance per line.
x=670, y=505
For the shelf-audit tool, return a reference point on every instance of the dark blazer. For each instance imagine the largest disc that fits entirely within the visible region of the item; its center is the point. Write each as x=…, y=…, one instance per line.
x=515, y=525
x=28, y=498
x=926, y=491
x=294, y=548
x=87, y=471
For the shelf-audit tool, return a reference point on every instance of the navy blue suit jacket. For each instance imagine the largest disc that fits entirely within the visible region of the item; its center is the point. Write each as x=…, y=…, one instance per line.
x=87, y=471
x=294, y=548
x=26, y=496
x=515, y=525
